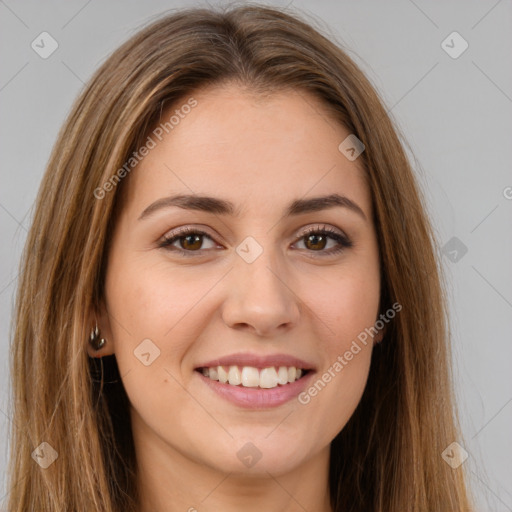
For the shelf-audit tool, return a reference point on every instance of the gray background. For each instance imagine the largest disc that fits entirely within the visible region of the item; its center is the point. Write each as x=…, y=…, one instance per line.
x=454, y=113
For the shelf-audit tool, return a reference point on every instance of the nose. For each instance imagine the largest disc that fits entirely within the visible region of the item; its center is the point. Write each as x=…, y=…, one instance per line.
x=260, y=298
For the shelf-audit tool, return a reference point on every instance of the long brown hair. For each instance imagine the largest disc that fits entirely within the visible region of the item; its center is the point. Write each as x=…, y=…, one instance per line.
x=388, y=456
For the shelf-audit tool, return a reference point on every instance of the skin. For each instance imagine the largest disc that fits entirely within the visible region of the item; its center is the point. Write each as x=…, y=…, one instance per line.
x=295, y=298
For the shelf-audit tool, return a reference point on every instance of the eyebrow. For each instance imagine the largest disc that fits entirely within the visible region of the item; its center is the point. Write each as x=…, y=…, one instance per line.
x=223, y=207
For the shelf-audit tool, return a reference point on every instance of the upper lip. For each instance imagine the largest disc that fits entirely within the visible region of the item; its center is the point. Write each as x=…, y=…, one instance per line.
x=257, y=361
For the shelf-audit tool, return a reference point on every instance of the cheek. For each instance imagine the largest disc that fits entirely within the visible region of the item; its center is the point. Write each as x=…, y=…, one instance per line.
x=152, y=301
x=149, y=301
x=334, y=394
x=336, y=390
x=345, y=306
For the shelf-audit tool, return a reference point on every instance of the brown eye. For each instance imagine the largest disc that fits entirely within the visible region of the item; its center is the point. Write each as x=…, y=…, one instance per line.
x=324, y=241
x=191, y=242
x=187, y=241
x=316, y=242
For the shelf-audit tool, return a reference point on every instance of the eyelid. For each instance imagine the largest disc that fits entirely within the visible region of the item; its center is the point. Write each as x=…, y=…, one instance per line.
x=298, y=234
x=324, y=228
x=183, y=230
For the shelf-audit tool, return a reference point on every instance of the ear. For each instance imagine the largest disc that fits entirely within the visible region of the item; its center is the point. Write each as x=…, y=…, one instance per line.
x=101, y=317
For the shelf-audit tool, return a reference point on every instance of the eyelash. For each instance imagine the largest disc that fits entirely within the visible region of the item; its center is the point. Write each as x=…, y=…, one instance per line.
x=343, y=241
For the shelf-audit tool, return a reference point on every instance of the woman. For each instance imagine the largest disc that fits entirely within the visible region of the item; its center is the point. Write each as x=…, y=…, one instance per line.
x=229, y=296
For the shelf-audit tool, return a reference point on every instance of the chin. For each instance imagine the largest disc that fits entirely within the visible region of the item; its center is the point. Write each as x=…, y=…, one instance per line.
x=259, y=454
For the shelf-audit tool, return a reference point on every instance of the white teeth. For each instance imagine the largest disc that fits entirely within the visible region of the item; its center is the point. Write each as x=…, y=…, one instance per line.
x=268, y=378
x=223, y=374
x=251, y=377
x=234, y=376
x=282, y=375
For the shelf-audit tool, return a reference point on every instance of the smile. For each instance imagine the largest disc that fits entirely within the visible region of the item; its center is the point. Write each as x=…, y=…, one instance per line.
x=252, y=388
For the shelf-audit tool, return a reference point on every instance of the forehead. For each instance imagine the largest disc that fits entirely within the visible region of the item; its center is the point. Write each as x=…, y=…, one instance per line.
x=258, y=152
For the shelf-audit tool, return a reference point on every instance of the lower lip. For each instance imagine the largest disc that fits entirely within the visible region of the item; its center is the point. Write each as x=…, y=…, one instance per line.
x=258, y=398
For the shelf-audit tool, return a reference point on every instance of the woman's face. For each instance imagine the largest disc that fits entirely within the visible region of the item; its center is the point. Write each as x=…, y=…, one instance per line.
x=262, y=288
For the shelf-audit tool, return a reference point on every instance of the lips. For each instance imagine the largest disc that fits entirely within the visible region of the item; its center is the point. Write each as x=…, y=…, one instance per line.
x=255, y=397
x=253, y=381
